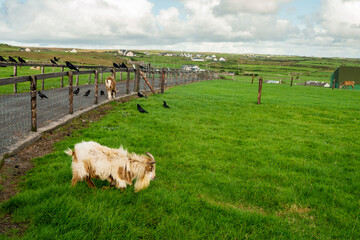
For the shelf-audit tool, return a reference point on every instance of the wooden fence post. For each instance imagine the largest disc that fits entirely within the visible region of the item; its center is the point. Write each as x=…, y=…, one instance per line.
x=128, y=82
x=260, y=90
x=292, y=79
x=153, y=78
x=137, y=78
x=252, y=80
x=96, y=86
x=71, y=93
x=89, y=79
x=43, y=80
x=162, y=80
x=33, y=103
x=77, y=80
x=147, y=82
x=333, y=84
x=62, y=77
x=15, y=74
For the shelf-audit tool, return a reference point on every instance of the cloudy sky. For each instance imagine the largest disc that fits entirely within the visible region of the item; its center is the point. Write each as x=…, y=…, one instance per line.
x=324, y=28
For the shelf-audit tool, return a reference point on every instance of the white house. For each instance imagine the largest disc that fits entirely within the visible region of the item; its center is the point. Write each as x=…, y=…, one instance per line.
x=129, y=54
x=73, y=51
x=222, y=59
x=197, y=59
x=190, y=68
x=27, y=50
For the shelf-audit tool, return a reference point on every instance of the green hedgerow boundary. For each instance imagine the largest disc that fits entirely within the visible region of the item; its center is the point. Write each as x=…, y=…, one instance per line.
x=226, y=168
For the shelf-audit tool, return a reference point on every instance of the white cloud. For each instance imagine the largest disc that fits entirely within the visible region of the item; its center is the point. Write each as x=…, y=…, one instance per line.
x=341, y=18
x=201, y=25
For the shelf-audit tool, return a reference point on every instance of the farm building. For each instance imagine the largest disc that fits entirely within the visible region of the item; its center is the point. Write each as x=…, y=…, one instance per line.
x=345, y=73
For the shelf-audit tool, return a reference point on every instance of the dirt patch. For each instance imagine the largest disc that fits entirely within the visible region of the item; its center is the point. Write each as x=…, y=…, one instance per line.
x=15, y=167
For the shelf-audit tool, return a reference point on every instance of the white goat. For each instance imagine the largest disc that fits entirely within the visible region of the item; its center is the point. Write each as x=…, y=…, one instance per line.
x=118, y=166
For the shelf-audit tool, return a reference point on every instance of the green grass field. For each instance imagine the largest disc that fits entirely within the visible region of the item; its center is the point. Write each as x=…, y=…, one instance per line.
x=227, y=168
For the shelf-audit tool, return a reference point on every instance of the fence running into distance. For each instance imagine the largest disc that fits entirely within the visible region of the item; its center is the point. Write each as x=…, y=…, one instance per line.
x=24, y=110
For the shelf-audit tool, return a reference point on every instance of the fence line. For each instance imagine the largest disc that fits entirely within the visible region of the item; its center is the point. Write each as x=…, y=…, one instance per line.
x=21, y=113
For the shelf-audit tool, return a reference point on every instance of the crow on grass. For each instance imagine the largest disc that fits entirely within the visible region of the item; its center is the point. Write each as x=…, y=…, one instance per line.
x=141, y=110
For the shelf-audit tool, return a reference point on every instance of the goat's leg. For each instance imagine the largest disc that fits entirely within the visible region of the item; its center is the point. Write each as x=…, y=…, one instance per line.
x=90, y=182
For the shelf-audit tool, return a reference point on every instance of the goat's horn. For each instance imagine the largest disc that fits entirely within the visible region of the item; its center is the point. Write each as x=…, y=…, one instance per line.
x=149, y=163
x=151, y=156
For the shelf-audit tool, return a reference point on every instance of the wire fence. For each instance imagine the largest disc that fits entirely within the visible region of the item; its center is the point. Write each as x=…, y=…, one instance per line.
x=52, y=96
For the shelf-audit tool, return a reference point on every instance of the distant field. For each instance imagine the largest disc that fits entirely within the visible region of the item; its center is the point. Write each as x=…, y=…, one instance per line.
x=227, y=168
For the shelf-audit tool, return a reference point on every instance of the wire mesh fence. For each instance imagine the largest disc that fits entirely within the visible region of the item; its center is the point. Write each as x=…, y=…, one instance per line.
x=53, y=102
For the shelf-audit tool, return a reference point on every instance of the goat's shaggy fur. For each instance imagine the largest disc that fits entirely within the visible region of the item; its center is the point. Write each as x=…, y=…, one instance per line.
x=110, y=85
x=348, y=83
x=118, y=166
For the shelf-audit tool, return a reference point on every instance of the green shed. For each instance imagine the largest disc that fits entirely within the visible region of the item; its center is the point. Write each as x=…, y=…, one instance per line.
x=345, y=73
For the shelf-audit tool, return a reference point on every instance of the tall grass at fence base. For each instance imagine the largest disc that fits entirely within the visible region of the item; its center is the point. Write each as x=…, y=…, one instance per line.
x=226, y=168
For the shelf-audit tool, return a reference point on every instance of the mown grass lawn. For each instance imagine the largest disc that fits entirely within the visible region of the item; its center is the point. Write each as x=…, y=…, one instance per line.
x=226, y=169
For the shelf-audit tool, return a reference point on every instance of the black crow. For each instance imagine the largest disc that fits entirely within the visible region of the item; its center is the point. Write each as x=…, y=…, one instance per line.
x=72, y=67
x=41, y=95
x=12, y=59
x=115, y=65
x=141, y=109
x=102, y=93
x=2, y=59
x=76, y=92
x=165, y=105
x=56, y=59
x=141, y=95
x=53, y=62
x=21, y=60
x=142, y=67
x=123, y=65
x=87, y=93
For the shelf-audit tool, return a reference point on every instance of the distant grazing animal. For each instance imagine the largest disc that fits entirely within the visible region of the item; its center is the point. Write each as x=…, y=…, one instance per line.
x=12, y=59
x=165, y=105
x=141, y=95
x=87, y=93
x=117, y=166
x=2, y=59
x=53, y=62
x=348, y=83
x=110, y=86
x=141, y=109
x=41, y=95
x=102, y=93
x=21, y=60
x=56, y=59
x=76, y=92
x=72, y=67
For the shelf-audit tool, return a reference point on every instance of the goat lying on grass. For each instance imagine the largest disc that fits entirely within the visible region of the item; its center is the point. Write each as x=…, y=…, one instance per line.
x=110, y=85
x=118, y=166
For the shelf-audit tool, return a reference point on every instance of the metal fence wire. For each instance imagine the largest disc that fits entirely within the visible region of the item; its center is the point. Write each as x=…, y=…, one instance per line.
x=53, y=102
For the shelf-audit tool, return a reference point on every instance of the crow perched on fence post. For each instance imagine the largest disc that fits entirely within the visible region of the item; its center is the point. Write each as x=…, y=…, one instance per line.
x=12, y=60
x=2, y=59
x=72, y=67
x=56, y=59
x=21, y=60
x=53, y=62
x=115, y=65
